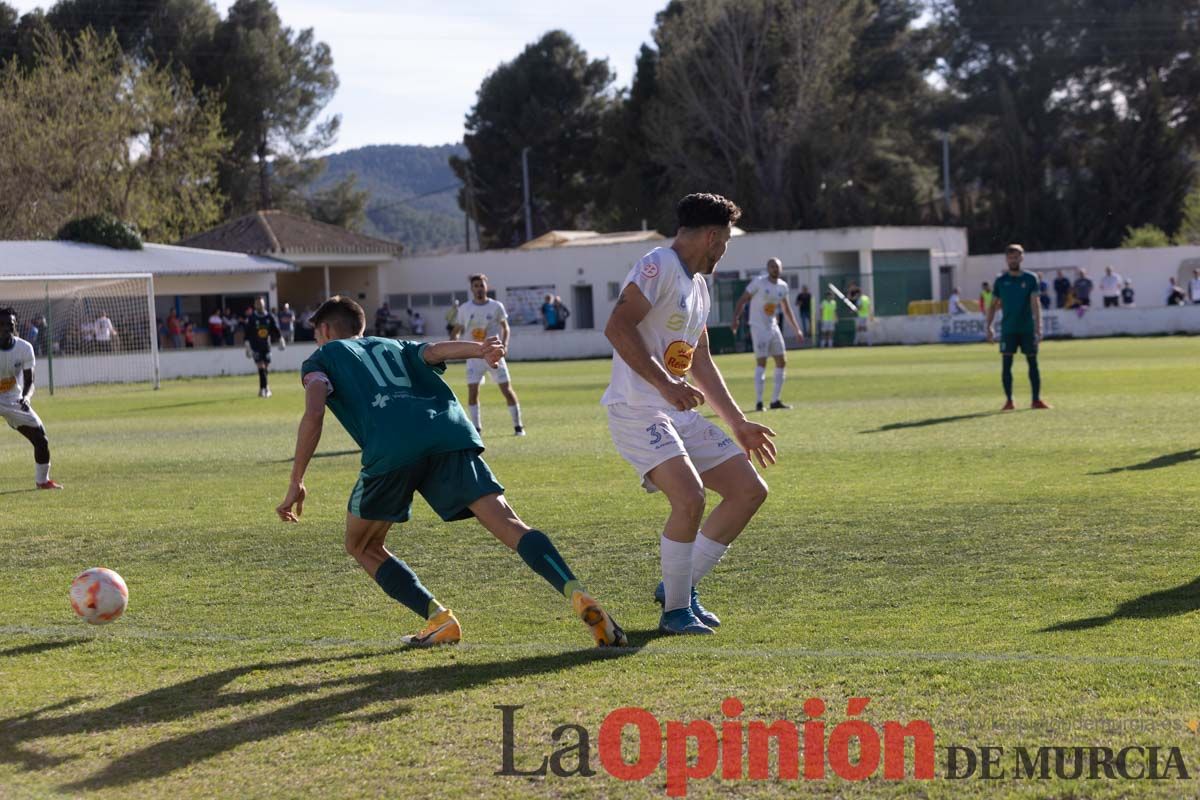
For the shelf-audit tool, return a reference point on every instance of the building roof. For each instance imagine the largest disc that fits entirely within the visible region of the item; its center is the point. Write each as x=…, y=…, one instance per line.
x=38, y=258
x=588, y=238
x=279, y=233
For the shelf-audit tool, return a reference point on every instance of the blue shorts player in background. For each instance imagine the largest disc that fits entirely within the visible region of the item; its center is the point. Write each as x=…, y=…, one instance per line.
x=415, y=437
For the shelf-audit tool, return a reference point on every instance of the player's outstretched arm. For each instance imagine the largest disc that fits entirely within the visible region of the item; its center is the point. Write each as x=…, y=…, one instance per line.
x=26, y=388
x=991, y=316
x=490, y=350
x=787, y=312
x=308, y=436
x=755, y=439
x=737, y=311
x=621, y=331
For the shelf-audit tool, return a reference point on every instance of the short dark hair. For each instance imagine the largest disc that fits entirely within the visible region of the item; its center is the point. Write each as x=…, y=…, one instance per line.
x=478, y=276
x=699, y=210
x=342, y=313
x=8, y=311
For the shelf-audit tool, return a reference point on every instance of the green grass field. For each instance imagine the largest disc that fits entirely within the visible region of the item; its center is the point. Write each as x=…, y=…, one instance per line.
x=1020, y=579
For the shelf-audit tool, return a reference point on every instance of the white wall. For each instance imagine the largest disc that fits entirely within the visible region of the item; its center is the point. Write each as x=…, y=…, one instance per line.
x=1148, y=269
x=246, y=283
x=1097, y=322
x=598, y=265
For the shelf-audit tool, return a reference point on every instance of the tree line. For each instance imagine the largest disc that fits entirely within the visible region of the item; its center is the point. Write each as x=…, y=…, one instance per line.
x=162, y=113
x=1070, y=124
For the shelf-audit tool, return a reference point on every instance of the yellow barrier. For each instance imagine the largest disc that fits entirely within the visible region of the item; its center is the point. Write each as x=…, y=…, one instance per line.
x=924, y=308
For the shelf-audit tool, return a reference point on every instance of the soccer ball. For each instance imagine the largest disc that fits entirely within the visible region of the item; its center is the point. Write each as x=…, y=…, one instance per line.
x=99, y=595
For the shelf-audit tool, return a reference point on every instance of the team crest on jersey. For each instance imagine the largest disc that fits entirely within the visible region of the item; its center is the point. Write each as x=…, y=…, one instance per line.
x=650, y=270
x=769, y=309
x=678, y=357
x=479, y=334
x=7, y=384
x=262, y=333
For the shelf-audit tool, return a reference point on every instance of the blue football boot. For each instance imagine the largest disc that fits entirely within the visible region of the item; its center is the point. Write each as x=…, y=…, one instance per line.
x=682, y=620
x=703, y=614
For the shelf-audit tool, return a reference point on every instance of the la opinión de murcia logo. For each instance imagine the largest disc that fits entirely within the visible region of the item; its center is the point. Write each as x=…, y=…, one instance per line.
x=741, y=749
x=632, y=744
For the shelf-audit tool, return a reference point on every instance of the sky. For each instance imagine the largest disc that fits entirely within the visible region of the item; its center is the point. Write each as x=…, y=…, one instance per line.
x=409, y=69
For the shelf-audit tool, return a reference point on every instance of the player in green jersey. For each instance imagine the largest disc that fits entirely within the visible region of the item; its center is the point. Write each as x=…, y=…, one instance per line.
x=415, y=437
x=1016, y=292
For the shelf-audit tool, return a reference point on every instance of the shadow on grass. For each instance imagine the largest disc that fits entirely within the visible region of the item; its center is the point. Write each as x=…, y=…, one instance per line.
x=925, y=423
x=1167, y=603
x=39, y=647
x=331, y=454
x=164, y=406
x=317, y=702
x=1169, y=460
x=17, y=491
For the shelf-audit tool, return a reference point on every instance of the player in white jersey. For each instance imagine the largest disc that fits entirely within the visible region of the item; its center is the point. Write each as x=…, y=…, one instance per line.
x=659, y=337
x=479, y=319
x=767, y=294
x=16, y=388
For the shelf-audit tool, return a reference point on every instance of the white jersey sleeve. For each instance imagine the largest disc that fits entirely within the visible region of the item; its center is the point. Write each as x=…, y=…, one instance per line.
x=670, y=331
x=13, y=363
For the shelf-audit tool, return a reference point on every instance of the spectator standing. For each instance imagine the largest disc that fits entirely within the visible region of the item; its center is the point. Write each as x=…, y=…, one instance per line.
x=1127, y=294
x=418, y=324
x=955, y=305
x=1083, y=290
x=1194, y=286
x=1043, y=293
x=105, y=333
x=287, y=323
x=1175, y=295
x=804, y=307
x=985, y=297
x=1110, y=288
x=229, y=327
x=549, y=315
x=562, y=313
x=189, y=333
x=383, y=321
x=1062, y=288
x=216, y=328
x=175, y=330
x=452, y=318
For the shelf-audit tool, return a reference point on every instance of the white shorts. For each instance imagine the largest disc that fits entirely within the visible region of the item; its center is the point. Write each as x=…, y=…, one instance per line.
x=862, y=323
x=767, y=343
x=828, y=326
x=647, y=437
x=17, y=417
x=477, y=369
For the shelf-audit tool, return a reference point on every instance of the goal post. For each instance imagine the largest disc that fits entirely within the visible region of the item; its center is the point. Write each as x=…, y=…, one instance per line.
x=87, y=329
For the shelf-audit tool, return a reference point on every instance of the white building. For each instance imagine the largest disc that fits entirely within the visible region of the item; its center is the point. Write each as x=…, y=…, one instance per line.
x=894, y=265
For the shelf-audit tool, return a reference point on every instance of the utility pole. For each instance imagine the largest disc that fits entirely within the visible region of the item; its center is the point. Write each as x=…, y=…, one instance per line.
x=946, y=171
x=528, y=211
x=470, y=187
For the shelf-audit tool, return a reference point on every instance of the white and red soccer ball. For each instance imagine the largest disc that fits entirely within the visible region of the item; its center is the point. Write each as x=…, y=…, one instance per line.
x=99, y=595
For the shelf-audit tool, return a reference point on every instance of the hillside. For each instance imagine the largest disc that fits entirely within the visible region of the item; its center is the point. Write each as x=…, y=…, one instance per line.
x=395, y=175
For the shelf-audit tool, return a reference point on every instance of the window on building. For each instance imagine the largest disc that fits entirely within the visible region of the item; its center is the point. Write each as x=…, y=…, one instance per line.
x=614, y=290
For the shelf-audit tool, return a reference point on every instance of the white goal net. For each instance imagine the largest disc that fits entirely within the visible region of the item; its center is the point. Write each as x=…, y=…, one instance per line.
x=87, y=329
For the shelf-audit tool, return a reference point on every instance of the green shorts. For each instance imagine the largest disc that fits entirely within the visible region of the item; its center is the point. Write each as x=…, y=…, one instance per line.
x=449, y=482
x=1026, y=342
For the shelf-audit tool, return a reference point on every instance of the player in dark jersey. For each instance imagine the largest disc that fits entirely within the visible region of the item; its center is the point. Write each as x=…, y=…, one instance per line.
x=1016, y=293
x=415, y=437
x=261, y=330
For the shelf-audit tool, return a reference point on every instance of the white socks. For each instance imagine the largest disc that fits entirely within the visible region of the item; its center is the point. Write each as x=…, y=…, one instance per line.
x=474, y=412
x=677, y=573
x=760, y=379
x=706, y=554
x=515, y=413
x=41, y=472
x=779, y=373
